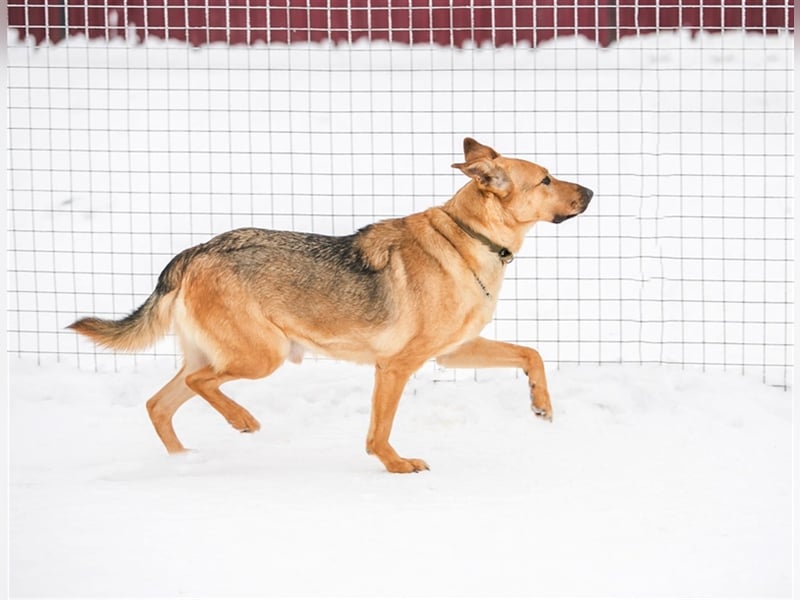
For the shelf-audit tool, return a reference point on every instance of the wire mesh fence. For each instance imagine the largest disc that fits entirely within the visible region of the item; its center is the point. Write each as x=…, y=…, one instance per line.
x=137, y=129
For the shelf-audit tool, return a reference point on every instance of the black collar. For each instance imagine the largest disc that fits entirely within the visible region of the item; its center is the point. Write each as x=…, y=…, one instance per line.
x=503, y=253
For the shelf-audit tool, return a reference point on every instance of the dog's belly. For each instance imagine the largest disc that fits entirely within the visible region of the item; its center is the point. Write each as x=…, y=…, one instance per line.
x=418, y=334
x=354, y=355
x=354, y=345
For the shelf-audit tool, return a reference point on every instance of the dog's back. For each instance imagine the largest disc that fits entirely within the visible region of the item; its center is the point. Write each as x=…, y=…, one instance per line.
x=310, y=275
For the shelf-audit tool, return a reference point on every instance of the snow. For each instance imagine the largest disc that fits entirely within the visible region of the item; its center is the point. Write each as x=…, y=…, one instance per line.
x=650, y=481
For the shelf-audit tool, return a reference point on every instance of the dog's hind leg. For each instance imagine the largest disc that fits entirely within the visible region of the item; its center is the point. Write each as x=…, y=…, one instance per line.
x=482, y=353
x=162, y=407
x=207, y=381
x=249, y=354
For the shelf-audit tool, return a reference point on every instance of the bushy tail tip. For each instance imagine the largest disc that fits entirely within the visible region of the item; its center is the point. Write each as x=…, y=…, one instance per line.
x=137, y=331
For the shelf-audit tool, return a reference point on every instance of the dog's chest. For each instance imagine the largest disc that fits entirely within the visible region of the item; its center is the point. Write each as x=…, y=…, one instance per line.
x=481, y=304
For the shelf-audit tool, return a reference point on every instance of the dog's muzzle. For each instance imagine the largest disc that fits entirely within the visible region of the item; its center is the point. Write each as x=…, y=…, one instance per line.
x=585, y=196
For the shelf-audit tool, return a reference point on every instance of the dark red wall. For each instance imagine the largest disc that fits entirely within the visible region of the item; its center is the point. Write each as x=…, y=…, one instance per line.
x=444, y=22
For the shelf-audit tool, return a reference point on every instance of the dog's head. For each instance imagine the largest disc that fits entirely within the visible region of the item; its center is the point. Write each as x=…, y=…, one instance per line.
x=526, y=190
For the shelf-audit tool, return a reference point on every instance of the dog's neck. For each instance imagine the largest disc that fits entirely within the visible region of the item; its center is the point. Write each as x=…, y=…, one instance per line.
x=441, y=225
x=479, y=217
x=504, y=254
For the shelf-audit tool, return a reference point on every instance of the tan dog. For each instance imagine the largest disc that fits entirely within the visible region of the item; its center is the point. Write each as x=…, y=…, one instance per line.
x=395, y=294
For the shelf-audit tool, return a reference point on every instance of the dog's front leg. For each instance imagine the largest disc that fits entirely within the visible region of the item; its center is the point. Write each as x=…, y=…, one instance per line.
x=389, y=384
x=483, y=353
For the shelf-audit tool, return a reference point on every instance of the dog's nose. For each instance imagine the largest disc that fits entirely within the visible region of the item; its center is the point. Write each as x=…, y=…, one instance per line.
x=586, y=194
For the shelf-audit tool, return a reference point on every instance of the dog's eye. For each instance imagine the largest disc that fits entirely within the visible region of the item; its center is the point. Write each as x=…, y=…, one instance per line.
x=546, y=180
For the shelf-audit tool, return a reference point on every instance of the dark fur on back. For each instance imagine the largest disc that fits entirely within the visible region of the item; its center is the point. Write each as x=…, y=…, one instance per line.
x=282, y=262
x=301, y=267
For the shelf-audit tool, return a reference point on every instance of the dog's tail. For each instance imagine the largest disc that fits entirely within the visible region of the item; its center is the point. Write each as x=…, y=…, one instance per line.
x=148, y=323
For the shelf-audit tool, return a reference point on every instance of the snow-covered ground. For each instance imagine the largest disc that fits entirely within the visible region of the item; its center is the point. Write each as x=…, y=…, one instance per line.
x=649, y=482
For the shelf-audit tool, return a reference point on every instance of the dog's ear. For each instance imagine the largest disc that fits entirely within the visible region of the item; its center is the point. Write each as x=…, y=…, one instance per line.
x=489, y=176
x=473, y=150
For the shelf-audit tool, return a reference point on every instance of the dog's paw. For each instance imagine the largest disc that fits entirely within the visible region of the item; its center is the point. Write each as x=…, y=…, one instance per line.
x=245, y=423
x=542, y=413
x=407, y=465
x=540, y=403
x=185, y=452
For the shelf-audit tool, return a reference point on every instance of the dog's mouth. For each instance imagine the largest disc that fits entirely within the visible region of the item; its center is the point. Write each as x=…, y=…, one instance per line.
x=561, y=218
x=586, y=197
